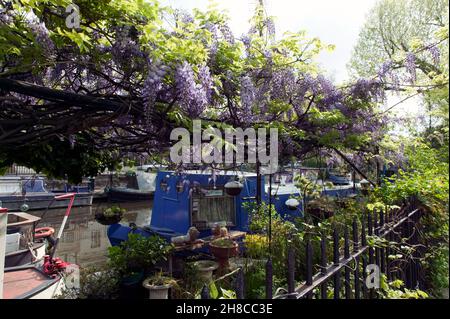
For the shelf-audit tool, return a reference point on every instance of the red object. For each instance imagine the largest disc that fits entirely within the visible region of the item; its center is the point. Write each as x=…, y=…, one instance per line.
x=43, y=232
x=3, y=210
x=53, y=266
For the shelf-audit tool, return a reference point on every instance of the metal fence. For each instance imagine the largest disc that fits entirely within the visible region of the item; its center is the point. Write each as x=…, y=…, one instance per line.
x=19, y=170
x=345, y=277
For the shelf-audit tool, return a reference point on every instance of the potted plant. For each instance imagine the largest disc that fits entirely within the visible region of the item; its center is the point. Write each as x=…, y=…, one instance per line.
x=109, y=216
x=222, y=249
x=205, y=269
x=233, y=188
x=136, y=257
x=158, y=286
x=292, y=204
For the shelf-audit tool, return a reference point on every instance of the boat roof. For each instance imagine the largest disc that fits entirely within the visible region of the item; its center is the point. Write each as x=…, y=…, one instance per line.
x=287, y=189
x=21, y=283
x=219, y=172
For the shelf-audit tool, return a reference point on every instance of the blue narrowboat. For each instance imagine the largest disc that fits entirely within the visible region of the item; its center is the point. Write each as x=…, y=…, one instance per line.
x=196, y=198
x=19, y=193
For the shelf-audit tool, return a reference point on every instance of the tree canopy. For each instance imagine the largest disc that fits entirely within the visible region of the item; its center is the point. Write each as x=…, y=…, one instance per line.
x=134, y=70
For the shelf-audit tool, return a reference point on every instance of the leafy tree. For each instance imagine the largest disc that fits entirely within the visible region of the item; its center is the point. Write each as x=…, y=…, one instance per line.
x=61, y=158
x=406, y=44
x=394, y=28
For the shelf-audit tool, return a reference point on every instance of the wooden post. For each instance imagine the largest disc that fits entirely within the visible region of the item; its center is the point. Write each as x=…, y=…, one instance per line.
x=3, y=225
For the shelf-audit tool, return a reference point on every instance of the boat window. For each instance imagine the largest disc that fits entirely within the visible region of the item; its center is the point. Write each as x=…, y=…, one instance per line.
x=212, y=207
x=163, y=185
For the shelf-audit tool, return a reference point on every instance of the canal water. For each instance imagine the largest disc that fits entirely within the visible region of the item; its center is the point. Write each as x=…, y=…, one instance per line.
x=85, y=241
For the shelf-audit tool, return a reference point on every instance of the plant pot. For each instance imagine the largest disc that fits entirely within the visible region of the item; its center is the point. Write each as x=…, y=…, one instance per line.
x=156, y=291
x=233, y=188
x=108, y=220
x=292, y=204
x=222, y=254
x=131, y=288
x=320, y=213
x=205, y=269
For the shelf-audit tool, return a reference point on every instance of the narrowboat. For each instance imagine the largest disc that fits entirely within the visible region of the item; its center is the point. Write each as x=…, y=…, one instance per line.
x=23, y=245
x=195, y=198
x=25, y=193
x=199, y=199
x=38, y=279
x=140, y=186
x=30, y=282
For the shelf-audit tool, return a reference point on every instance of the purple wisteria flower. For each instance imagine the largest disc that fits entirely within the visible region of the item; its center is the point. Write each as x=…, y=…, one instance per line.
x=227, y=33
x=435, y=54
x=42, y=37
x=410, y=64
x=270, y=26
x=247, y=92
x=366, y=89
x=385, y=70
x=193, y=97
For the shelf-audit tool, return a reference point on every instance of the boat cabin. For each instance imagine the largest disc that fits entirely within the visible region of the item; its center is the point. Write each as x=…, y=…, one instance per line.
x=199, y=199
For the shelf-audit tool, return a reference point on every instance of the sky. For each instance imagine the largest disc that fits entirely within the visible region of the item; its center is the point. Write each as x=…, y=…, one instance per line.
x=335, y=22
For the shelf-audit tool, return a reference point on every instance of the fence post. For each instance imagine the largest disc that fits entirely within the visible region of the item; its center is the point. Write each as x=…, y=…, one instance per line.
x=408, y=272
x=291, y=271
x=376, y=231
x=323, y=265
x=355, y=249
x=269, y=279
x=337, y=276
x=348, y=287
x=205, y=292
x=382, y=250
x=309, y=264
x=240, y=284
x=364, y=257
x=371, y=252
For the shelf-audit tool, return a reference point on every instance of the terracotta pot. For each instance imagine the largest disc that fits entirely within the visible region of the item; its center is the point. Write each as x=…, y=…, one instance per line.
x=222, y=254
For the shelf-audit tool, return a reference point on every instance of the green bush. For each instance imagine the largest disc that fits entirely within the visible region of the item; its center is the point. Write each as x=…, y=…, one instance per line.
x=138, y=253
